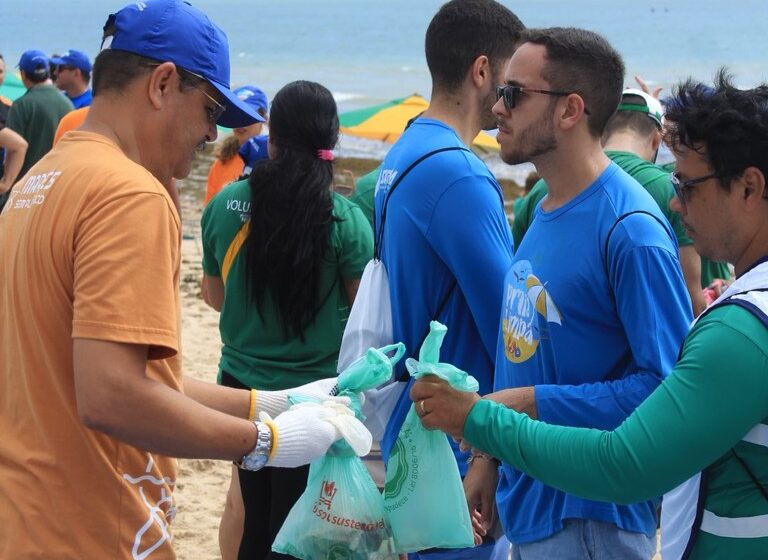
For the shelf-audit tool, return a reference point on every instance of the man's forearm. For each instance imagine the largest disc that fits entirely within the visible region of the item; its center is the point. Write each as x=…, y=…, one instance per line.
x=521, y=399
x=154, y=417
x=235, y=402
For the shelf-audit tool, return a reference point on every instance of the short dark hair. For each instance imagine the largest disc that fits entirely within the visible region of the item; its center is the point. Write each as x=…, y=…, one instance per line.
x=463, y=30
x=86, y=74
x=585, y=63
x=114, y=70
x=726, y=125
x=636, y=121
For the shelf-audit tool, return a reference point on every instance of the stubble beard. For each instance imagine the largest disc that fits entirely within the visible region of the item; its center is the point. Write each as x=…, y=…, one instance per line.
x=536, y=140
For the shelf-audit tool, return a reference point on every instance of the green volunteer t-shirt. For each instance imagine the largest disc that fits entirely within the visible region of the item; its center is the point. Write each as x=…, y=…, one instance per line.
x=35, y=116
x=655, y=180
x=525, y=208
x=256, y=351
x=365, y=189
x=651, y=177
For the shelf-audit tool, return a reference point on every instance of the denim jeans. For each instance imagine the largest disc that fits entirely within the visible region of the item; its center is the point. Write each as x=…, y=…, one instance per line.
x=584, y=539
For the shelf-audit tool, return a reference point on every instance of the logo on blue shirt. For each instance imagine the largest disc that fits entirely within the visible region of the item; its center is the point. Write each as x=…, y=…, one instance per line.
x=524, y=299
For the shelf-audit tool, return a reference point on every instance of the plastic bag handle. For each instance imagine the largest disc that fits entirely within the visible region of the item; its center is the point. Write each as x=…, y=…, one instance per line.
x=399, y=346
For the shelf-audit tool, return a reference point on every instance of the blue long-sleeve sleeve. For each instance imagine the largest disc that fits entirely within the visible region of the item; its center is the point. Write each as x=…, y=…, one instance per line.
x=652, y=306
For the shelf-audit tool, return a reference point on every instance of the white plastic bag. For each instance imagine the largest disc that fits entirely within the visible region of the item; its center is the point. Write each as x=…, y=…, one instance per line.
x=370, y=320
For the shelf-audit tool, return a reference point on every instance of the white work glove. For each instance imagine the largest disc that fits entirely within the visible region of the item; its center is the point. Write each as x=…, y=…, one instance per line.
x=301, y=435
x=276, y=402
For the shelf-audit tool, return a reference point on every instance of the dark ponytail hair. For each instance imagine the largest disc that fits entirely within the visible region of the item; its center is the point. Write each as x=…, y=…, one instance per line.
x=291, y=207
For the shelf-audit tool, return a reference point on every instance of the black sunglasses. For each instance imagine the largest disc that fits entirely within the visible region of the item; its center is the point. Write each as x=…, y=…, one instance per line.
x=510, y=94
x=682, y=187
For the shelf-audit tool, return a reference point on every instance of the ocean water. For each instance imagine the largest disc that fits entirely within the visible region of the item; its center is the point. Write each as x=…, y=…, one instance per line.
x=371, y=51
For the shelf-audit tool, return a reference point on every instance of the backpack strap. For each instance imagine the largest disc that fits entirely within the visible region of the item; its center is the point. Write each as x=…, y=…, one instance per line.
x=379, y=228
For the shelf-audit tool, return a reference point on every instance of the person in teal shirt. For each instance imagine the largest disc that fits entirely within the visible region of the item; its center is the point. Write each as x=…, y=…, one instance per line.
x=282, y=260
x=702, y=436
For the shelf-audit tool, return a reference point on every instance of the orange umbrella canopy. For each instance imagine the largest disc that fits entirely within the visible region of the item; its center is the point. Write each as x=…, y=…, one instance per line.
x=387, y=121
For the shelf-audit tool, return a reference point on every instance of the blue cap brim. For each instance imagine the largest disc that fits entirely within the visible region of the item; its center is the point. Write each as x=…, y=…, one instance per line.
x=238, y=113
x=57, y=60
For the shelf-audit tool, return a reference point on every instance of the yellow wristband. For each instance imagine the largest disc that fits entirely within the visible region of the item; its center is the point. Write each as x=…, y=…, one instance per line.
x=275, y=438
x=252, y=407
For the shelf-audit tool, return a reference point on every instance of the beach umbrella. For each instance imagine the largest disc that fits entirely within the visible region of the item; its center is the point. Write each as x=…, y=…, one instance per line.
x=387, y=121
x=12, y=88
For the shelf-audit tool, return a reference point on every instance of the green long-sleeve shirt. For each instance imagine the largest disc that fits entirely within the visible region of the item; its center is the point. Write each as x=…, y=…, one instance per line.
x=716, y=393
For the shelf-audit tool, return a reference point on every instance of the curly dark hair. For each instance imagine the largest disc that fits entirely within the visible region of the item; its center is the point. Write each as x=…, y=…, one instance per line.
x=728, y=126
x=291, y=206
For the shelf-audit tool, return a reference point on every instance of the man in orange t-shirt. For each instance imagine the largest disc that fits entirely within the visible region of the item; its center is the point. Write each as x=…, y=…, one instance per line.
x=93, y=406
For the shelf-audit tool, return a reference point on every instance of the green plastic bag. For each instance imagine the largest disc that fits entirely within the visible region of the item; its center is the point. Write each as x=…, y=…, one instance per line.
x=423, y=495
x=340, y=515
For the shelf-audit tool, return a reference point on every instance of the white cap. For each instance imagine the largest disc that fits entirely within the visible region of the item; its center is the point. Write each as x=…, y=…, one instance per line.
x=652, y=105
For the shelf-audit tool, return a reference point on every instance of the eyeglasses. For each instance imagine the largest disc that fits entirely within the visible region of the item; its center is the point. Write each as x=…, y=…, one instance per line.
x=511, y=94
x=194, y=80
x=215, y=112
x=682, y=187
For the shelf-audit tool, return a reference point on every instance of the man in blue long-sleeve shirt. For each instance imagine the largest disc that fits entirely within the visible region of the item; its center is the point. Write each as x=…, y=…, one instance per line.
x=445, y=237
x=595, y=306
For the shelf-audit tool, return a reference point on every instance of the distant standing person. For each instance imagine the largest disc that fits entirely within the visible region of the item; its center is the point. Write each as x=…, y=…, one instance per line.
x=245, y=146
x=282, y=260
x=73, y=75
x=36, y=114
x=5, y=106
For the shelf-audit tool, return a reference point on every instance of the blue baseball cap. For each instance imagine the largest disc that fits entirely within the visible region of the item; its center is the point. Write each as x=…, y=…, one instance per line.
x=253, y=96
x=78, y=59
x=34, y=63
x=174, y=31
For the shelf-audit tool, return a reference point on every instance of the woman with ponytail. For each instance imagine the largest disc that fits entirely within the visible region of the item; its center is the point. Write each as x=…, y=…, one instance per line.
x=282, y=259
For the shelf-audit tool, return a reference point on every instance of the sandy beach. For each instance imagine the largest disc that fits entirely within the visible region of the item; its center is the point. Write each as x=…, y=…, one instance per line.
x=201, y=484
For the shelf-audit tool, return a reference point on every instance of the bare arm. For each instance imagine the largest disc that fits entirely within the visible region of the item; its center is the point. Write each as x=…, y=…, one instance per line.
x=213, y=291
x=690, y=262
x=351, y=287
x=16, y=149
x=235, y=402
x=115, y=396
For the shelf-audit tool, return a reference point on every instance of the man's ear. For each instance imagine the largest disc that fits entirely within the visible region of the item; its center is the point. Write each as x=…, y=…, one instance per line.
x=160, y=81
x=571, y=112
x=480, y=71
x=752, y=185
